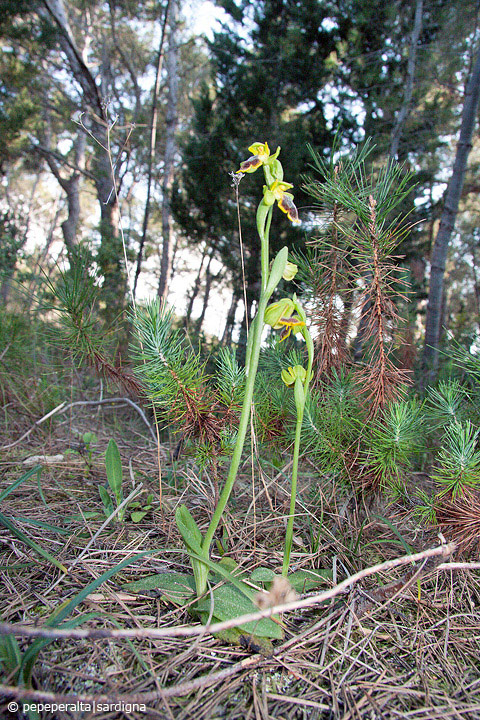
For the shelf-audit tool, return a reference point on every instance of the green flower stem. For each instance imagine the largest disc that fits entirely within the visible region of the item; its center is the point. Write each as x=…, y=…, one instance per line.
x=264, y=217
x=300, y=402
x=293, y=490
x=243, y=425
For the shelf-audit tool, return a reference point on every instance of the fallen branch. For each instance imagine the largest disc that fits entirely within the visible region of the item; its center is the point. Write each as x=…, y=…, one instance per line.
x=185, y=688
x=192, y=630
x=60, y=409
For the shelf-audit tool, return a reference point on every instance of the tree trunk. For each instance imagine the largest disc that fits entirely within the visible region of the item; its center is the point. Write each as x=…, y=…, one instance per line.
x=195, y=289
x=206, y=294
x=152, y=147
x=71, y=187
x=230, y=322
x=403, y=113
x=170, y=150
x=447, y=223
x=110, y=256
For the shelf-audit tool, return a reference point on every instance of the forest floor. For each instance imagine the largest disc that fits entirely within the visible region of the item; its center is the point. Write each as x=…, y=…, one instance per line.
x=395, y=645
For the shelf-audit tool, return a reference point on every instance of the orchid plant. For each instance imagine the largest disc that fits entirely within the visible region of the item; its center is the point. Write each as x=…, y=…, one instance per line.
x=288, y=316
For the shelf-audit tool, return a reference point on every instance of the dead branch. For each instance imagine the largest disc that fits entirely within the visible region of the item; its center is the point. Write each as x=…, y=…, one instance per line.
x=60, y=409
x=442, y=551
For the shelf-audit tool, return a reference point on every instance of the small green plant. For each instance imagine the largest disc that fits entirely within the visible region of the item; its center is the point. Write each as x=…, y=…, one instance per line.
x=89, y=440
x=10, y=657
x=138, y=510
x=85, y=448
x=113, y=466
x=458, y=467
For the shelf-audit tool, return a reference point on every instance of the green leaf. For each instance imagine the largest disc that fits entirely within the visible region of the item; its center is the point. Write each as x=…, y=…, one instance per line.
x=175, y=587
x=113, y=466
x=230, y=603
x=234, y=636
x=305, y=580
x=10, y=655
x=228, y=564
x=16, y=483
x=138, y=515
x=89, y=438
x=219, y=569
x=262, y=575
x=408, y=548
x=106, y=499
x=278, y=268
x=188, y=529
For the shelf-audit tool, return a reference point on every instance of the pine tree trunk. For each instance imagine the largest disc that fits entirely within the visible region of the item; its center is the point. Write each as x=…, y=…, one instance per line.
x=152, y=147
x=195, y=289
x=206, y=294
x=170, y=150
x=447, y=223
x=230, y=322
x=403, y=113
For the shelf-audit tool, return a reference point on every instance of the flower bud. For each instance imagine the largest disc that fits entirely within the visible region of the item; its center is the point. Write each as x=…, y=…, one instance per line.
x=290, y=271
x=289, y=376
x=274, y=312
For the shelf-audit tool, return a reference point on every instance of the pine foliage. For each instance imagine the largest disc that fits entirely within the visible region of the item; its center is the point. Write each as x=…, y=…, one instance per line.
x=174, y=378
x=353, y=263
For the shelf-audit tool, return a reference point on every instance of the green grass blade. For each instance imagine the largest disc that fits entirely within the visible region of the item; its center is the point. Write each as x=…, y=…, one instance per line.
x=14, y=485
x=41, y=524
x=54, y=620
x=408, y=548
x=31, y=543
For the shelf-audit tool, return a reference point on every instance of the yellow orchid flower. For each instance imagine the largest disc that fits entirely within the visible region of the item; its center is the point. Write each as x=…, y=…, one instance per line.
x=277, y=310
x=289, y=324
x=279, y=315
x=278, y=191
x=260, y=154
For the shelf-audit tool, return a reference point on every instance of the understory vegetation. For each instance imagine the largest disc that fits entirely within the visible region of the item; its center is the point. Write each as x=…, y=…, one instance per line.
x=106, y=501
x=280, y=518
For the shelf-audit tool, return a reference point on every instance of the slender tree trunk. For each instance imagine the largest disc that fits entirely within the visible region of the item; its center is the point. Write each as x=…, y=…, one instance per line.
x=206, y=294
x=195, y=289
x=230, y=322
x=110, y=256
x=170, y=150
x=152, y=147
x=447, y=223
x=412, y=53
x=71, y=187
